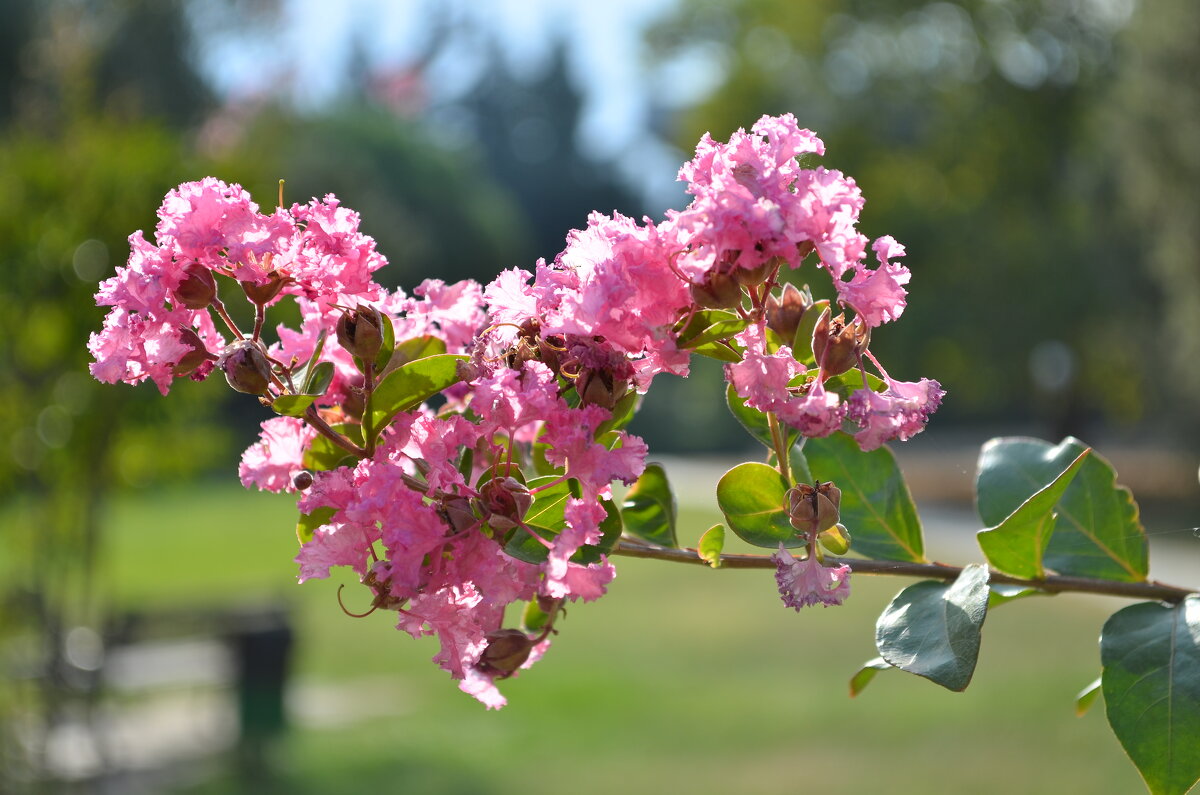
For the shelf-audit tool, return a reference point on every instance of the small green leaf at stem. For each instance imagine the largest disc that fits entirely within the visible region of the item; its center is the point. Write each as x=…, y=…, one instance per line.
x=933, y=629
x=753, y=498
x=720, y=351
x=412, y=349
x=300, y=376
x=863, y=676
x=711, y=544
x=409, y=385
x=1086, y=698
x=709, y=325
x=755, y=422
x=292, y=405
x=1016, y=545
x=319, y=379
x=1150, y=653
x=649, y=510
x=387, y=345
x=309, y=522
x=533, y=618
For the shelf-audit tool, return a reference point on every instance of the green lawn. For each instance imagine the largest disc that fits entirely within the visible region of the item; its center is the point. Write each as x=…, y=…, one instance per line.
x=682, y=679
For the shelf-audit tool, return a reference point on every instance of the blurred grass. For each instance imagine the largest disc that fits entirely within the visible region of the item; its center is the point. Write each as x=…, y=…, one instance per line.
x=681, y=679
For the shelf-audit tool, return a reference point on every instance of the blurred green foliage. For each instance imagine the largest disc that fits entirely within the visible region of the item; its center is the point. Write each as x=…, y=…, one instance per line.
x=982, y=134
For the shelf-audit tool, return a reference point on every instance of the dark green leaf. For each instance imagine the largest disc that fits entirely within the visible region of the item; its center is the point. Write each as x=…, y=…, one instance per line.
x=876, y=505
x=300, y=376
x=932, y=629
x=309, y=522
x=319, y=379
x=864, y=675
x=802, y=344
x=1098, y=532
x=1087, y=697
x=711, y=544
x=409, y=385
x=292, y=405
x=1151, y=685
x=649, y=508
x=709, y=325
x=752, y=497
x=387, y=345
x=1017, y=544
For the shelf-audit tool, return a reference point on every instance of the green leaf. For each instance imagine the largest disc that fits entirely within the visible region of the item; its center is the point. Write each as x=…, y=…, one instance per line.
x=932, y=629
x=292, y=405
x=802, y=343
x=622, y=413
x=409, y=385
x=1087, y=697
x=752, y=497
x=545, y=517
x=876, y=505
x=1098, y=532
x=851, y=381
x=720, y=351
x=709, y=325
x=412, y=349
x=533, y=618
x=309, y=522
x=864, y=675
x=1017, y=544
x=1003, y=593
x=711, y=544
x=649, y=509
x=323, y=455
x=301, y=375
x=1151, y=685
x=387, y=344
x=318, y=380
x=755, y=422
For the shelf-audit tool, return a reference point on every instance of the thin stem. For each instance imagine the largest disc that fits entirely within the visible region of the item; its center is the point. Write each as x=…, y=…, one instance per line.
x=777, y=439
x=314, y=419
x=220, y=307
x=260, y=317
x=1054, y=583
x=368, y=388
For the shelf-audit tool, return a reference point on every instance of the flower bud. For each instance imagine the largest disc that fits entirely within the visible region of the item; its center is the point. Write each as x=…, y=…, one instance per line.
x=507, y=650
x=246, y=367
x=837, y=345
x=459, y=514
x=361, y=332
x=784, y=313
x=302, y=480
x=813, y=510
x=749, y=277
x=198, y=289
x=196, y=357
x=504, y=502
x=836, y=539
x=599, y=388
x=719, y=290
x=261, y=294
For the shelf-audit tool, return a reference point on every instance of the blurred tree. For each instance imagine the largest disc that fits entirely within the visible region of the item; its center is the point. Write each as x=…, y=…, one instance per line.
x=967, y=127
x=1154, y=115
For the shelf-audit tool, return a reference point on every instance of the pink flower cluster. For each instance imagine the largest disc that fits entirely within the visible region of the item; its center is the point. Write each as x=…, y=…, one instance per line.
x=435, y=511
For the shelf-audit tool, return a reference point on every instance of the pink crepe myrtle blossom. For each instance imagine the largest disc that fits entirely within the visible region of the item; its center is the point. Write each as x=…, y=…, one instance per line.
x=274, y=460
x=807, y=582
x=878, y=296
x=899, y=412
